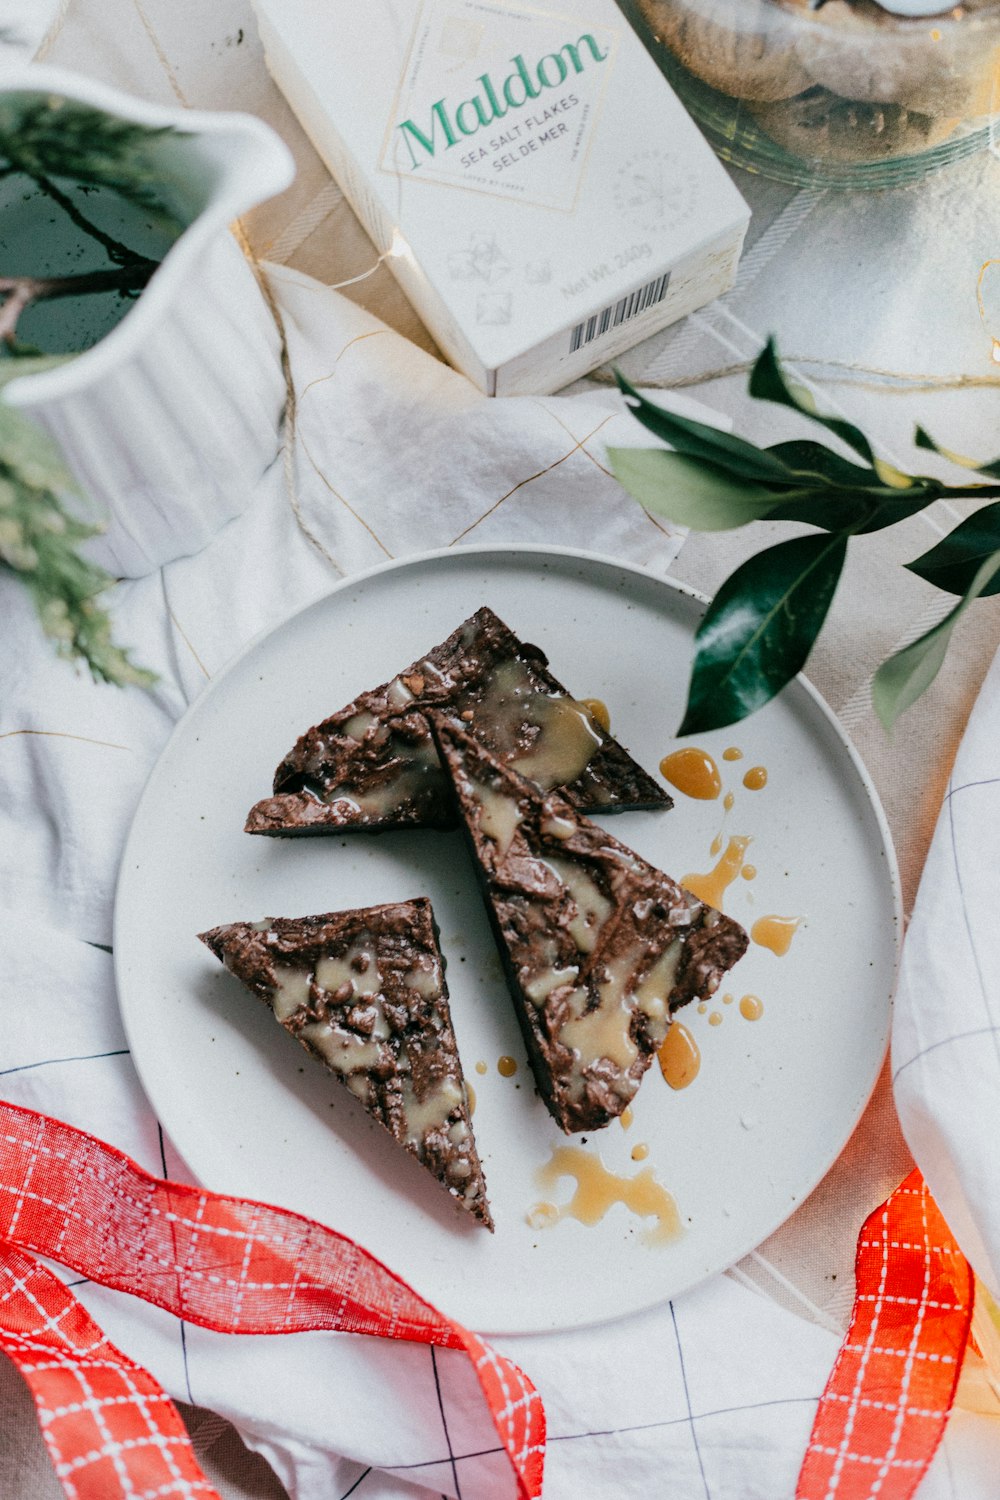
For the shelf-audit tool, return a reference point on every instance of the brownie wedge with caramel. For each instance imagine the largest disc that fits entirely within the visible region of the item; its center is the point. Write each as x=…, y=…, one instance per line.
x=373, y=763
x=600, y=948
x=364, y=992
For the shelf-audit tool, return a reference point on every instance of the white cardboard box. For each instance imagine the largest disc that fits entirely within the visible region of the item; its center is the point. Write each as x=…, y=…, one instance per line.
x=540, y=194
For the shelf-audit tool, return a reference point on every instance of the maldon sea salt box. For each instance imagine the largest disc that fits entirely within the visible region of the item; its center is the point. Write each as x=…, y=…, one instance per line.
x=540, y=194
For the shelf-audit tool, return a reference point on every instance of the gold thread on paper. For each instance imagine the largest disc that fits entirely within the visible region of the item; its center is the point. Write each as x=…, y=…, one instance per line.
x=185, y=638
x=906, y=381
x=983, y=315
x=530, y=480
x=60, y=734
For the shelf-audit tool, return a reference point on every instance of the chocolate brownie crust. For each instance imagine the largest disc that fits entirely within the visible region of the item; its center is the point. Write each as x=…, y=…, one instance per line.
x=600, y=948
x=364, y=992
x=373, y=764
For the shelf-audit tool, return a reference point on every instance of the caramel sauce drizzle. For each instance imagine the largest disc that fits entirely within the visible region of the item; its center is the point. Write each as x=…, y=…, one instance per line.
x=678, y=1056
x=711, y=888
x=775, y=933
x=598, y=1189
x=598, y=712
x=693, y=772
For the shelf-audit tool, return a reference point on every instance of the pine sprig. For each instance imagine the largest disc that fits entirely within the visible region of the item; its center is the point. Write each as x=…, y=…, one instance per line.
x=39, y=538
x=66, y=150
x=759, y=629
x=56, y=137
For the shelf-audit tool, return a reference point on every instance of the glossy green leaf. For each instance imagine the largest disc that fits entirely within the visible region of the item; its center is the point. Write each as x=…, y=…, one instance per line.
x=759, y=629
x=698, y=440
x=768, y=383
x=897, y=505
x=812, y=460
x=953, y=563
x=902, y=678
x=695, y=494
x=923, y=439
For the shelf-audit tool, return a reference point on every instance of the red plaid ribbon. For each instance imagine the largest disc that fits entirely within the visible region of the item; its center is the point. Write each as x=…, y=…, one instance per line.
x=886, y=1403
x=225, y=1263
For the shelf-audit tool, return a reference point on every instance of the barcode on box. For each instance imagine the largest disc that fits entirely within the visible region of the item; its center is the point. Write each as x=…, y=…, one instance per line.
x=619, y=312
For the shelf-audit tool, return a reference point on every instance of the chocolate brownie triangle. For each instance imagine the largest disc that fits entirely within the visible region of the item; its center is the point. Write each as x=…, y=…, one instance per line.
x=600, y=948
x=373, y=763
x=364, y=992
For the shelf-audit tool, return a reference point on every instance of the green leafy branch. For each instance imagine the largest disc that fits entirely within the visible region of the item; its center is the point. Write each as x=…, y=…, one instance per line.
x=760, y=627
x=67, y=151
x=39, y=538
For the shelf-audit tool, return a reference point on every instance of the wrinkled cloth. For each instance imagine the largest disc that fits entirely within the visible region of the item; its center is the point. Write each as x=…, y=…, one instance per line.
x=946, y=1033
x=714, y=1396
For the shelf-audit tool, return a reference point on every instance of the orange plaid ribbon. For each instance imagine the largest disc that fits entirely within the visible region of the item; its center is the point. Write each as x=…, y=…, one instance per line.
x=225, y=1263
x=887, y=1401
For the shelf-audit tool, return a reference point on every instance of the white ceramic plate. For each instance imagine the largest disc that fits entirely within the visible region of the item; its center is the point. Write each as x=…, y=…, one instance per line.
x=775, y=1099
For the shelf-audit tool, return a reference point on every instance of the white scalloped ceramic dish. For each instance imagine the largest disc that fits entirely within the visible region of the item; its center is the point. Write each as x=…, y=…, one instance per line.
x=775, y=1099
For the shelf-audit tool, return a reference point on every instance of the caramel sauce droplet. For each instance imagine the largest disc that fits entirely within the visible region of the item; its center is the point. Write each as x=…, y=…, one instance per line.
x=732, y=753
x=507, y=1066
x=751, y=1008
x=756, y=778
x=626, y=1117
x=679, y=1057
x=775, y=933
x=597, y=1190
x=715, y=1019
x=598, y=712
x=712, y=887
x=727, y=999
x=749, y=872
x=692, y=772
x=716, y=845
x=543, y=1216
x=470, y=1091
x=481, y=1067
x=728, y=801
x=640, y=1152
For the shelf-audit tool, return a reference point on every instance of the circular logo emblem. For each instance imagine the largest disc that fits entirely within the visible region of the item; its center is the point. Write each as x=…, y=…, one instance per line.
x=654, y=190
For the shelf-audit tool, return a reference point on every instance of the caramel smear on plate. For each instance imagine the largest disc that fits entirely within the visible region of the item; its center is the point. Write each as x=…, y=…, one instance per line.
x=471, y=1093
x=692, y=772
x=678, y=1056
x=711, y=888
x=775, y=933
x=597, y=1190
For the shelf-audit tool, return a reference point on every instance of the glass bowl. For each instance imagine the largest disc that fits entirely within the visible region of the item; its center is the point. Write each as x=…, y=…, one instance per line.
x=850, y=93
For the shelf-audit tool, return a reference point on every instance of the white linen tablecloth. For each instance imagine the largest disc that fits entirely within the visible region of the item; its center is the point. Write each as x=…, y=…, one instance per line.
x=713, y=1395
